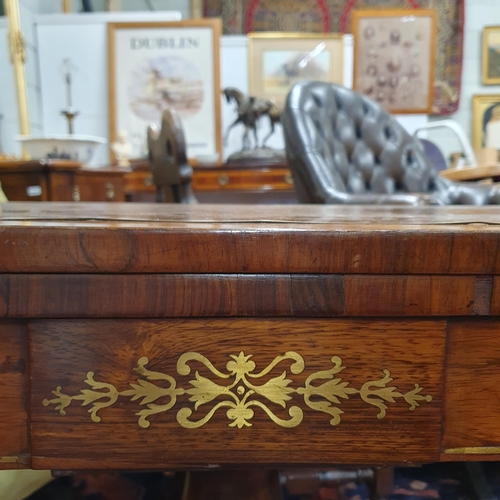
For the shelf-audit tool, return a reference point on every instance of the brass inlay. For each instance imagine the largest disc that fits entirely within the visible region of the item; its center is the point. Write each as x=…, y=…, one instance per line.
x=322, y=392
x=10, y=460
x=474, y=450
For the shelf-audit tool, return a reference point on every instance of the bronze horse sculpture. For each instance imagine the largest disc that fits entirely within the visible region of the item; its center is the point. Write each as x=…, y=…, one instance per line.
x=250, y=109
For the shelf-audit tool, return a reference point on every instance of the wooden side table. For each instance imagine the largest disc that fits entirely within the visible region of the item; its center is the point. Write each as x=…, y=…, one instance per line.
x=61, y=180
x=481, y=172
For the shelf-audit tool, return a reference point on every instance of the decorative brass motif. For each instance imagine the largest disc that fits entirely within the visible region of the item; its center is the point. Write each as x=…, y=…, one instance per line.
x=241, y=395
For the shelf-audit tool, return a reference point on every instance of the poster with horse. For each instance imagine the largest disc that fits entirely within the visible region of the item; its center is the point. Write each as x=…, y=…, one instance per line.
x=277, y=61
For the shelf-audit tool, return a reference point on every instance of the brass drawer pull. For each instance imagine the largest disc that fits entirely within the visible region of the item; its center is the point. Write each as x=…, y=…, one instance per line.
x=289, y=178
x=75, y=193
x=110, y=191
x=223, y=179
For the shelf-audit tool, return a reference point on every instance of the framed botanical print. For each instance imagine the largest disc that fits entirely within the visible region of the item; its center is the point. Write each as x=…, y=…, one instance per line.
x=491, y=56
x=394, y=58
x=276, y=61
x=153, y=66
x=486, y=121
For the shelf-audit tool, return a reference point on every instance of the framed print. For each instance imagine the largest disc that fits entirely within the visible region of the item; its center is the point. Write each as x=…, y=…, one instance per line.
x=276, y=61
x=153, y=66
x=486, y=121
x=394, y=58
x=490, y=60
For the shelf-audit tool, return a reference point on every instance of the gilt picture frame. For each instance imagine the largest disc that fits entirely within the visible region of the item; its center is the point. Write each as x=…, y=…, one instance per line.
x=490, y=60
x=158, y=65
x=394, y=58
x=486, y=121
x=276, y=61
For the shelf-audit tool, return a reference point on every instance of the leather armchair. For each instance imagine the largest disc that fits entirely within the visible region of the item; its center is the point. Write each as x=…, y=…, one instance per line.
x=344, y=148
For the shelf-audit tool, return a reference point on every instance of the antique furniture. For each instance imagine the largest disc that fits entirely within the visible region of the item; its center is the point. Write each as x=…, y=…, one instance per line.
x=220, y=183
x=490, y=172
x=343, y=148
x=60, y=180
x=169, y=336
x=170, y=170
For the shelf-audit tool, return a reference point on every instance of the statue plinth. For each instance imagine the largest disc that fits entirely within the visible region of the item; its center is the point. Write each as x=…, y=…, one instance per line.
x=257, y=156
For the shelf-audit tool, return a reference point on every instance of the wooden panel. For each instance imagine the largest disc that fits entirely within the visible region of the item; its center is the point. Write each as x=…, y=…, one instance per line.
x=205, y=295
x=416, y=295
x=13, y=395
x=60, y=185
x=95, y=186
x=240, y=179
x=77, y=238
x=23, y=186
x=495, y=297
x=238, y=420
x=472, y=409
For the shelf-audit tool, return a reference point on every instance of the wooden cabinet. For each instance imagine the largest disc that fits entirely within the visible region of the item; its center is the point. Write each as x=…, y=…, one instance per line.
x=60, y=180
x=265, y=183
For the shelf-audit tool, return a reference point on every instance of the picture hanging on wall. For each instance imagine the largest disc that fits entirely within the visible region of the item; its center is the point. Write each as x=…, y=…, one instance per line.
x=394, y=58
x=486, y=121
x=153, y=66
x=276, y=61
x=491, y=55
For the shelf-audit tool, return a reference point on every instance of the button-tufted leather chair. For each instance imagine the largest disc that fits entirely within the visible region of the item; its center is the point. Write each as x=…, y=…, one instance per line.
x=343, y=148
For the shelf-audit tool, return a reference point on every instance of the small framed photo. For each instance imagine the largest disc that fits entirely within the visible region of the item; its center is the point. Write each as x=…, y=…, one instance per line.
x=486, y=121
x=153, y=66
x=277, y=61
x=394, y=58
x=490, y=60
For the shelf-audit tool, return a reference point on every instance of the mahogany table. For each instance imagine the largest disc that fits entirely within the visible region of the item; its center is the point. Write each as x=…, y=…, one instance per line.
x=185, y=337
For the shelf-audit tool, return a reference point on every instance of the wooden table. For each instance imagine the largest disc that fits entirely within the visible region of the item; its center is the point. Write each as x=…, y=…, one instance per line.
x=479, y=173
x=184, y=337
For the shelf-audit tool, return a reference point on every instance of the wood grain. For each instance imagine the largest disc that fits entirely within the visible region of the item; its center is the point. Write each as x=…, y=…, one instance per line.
x=13, y=396
x=256, y=295
x=76, y=238
x=472, y=409
x=62, y=353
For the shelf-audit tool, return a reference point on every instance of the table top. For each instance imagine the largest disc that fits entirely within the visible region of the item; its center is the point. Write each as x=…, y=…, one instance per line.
x=59, y=237
x=472, y=173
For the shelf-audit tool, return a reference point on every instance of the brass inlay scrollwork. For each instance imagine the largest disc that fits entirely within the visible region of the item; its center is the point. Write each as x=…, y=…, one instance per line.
x=322, y=391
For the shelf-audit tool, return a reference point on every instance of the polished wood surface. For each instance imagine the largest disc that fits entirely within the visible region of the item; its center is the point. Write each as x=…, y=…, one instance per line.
x=257, y=295
x=61, y=180
x=14, y=442
x=95, y=346
x=222, y=183
x=478, y=173
x=165, y=336
x=123, y=238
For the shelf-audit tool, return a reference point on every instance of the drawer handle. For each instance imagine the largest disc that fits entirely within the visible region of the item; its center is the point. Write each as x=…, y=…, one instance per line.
x=223, y=179
x=110, y=191
x=75, y=193
x=289, y=178
x=34, y=190
x=148, y=181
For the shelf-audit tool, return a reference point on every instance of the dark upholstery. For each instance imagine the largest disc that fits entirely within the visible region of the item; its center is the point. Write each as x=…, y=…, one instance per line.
x=343, y=148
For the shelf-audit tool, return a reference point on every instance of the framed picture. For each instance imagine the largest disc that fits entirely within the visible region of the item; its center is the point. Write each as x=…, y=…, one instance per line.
x=157, y=65
x=394, y=58
x=276, y=61
x=486, y=121
x=491, y=55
